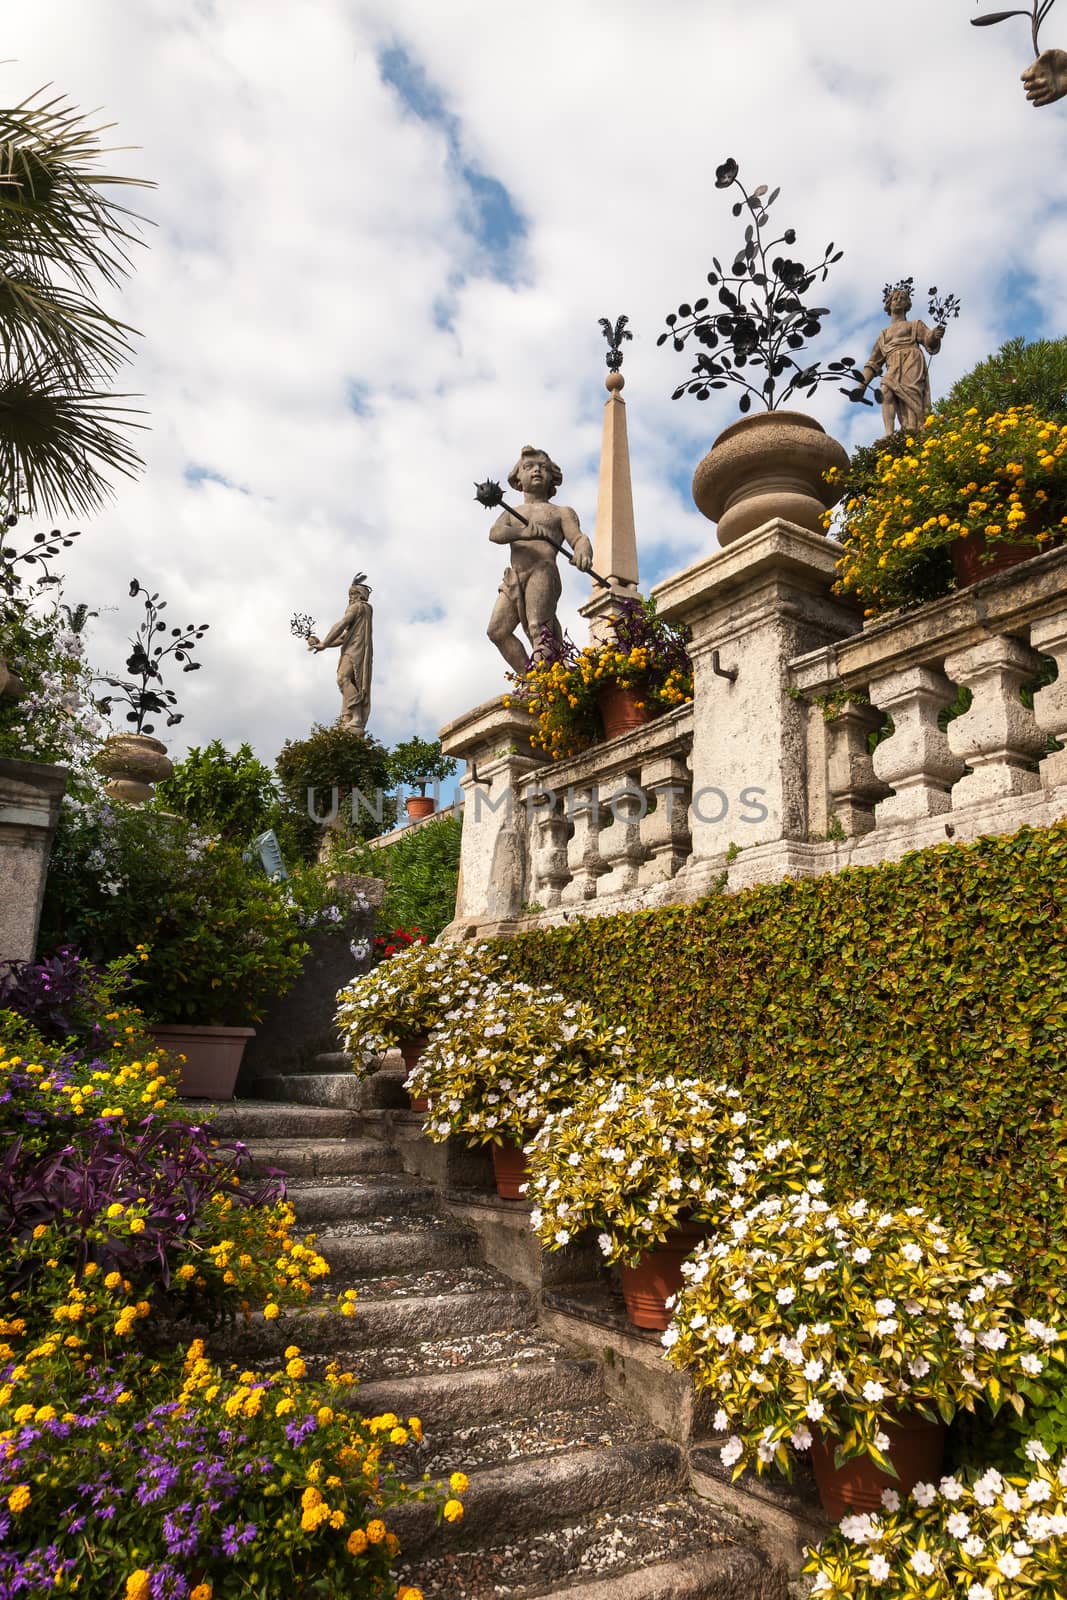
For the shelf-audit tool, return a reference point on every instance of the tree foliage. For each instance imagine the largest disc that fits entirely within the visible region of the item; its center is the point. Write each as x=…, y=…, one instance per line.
x=227, y=792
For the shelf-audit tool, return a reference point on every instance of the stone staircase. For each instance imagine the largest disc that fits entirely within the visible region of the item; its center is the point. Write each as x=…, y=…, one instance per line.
x=571, y=1492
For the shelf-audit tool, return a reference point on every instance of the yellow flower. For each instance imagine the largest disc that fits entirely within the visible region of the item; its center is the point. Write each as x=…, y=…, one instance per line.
x=270, y=1310
x=203, y=1591
x=406, y=1592
x=19, y=1498
x=453, y=1511
x=138, y=1585
x=376, y=1530
x=357, y=1542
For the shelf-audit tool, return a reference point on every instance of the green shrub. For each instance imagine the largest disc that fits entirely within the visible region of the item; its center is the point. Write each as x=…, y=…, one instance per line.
x=220, y=937
x=228, y=792
x=331, y=758
x=906, y=1022
x=1018, y=374
x=421, y=872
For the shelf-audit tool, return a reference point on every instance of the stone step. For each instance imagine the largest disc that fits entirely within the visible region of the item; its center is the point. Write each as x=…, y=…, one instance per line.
x=307, y=1158
x=451, y=1359
x=533, y=1493
x=473, y=1394
x=475, y=1304
x=545, y=1431
x=361, y=1250
x=673, y=1549
x=339, y=1089
x=268, y=1119
x=348, y=1198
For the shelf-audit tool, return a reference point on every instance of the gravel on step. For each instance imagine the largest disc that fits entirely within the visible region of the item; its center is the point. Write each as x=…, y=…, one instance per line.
x=357, y=1227
x=608, y=1543
x=502, y=1349
x=498, y=1441
x=418, y=1285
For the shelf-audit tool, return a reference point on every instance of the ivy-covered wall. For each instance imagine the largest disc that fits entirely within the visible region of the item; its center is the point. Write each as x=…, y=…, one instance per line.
x=909, y=1021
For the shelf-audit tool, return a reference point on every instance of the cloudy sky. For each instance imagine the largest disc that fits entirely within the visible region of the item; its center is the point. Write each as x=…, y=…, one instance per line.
x=384, y=232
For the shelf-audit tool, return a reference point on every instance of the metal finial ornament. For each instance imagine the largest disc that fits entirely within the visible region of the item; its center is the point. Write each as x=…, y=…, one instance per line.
x=615, y=335
x=490, y=495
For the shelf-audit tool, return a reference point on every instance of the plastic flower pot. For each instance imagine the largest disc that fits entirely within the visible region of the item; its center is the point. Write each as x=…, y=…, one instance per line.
x=420, y=805
x=622, y=709
x=510, y=1169
x=212, y=1057
x=647, y=1287
x=975, y=557
x=916, y=1449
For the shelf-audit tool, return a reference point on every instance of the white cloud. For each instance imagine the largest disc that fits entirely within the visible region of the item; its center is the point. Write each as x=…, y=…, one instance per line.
x=308, y=224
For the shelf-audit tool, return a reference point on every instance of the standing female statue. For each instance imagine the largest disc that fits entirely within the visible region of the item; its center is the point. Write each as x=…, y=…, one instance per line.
x=353, y=636
x=899, y=352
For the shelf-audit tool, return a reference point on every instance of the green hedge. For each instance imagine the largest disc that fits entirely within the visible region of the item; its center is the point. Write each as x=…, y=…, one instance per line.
x=908, y=1021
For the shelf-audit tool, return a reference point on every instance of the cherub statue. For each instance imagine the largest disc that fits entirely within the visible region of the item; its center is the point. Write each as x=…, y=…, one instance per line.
x=1046, y=80
x=898, y=351
x=532, y=586
x=354, y=636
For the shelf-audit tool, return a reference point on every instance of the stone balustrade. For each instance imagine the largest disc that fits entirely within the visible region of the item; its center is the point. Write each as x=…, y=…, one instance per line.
x=942, y=764
x=813, y=742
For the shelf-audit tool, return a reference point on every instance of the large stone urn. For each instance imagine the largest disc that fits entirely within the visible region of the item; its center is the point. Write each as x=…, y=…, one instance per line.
x=133, y=763
x=769, y=465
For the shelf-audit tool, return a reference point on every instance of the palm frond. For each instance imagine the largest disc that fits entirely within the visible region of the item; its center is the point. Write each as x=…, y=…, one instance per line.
x=57, y=444
x=56, y=208
x=38, y=318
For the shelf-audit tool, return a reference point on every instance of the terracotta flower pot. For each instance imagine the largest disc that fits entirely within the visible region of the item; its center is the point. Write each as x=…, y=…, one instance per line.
x=420, y=805
x=212, y=1057
x=622, y=709
x=916, y=1449
x=511, y=1169
x=768, y=465
x=647, y=1287
x=411, y=1050
x=133, y=762
x=974, y=557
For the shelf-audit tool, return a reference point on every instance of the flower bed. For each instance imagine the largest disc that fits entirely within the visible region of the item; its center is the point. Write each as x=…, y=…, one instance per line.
x=129, y=1468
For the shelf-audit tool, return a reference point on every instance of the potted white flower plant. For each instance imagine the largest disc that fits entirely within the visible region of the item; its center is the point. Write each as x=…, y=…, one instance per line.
x=497, y=1066
x=983, y=1534
x=654, y=1165
x=398, y=1002
x=851, y=1333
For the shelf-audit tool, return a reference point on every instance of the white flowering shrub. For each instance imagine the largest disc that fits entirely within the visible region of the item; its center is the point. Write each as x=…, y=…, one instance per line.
x=635, y=1157
x=809, y=1316
x=56, y=718
x=501, y=1063
x=409, y=994
x=985, y=1536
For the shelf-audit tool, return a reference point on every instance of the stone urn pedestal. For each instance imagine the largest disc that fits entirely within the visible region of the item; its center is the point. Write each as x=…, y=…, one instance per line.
x=766, y=466
x=133, y=763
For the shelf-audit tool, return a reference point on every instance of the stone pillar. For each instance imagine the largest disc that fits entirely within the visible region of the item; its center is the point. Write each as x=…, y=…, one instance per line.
x=494, y=740
x=752, y=608
x=998, y=737
x=853, y=785
x=1049, y=638
x=665, y=828
x=30, y=796
x=916, y=761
